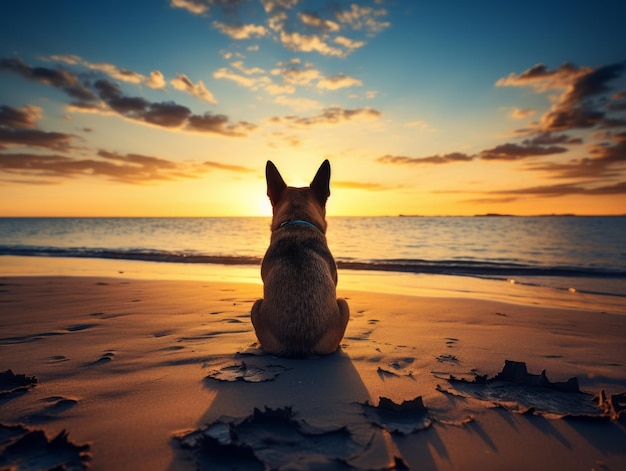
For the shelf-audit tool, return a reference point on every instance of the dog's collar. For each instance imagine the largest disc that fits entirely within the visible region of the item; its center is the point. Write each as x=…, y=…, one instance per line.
x=299, y=222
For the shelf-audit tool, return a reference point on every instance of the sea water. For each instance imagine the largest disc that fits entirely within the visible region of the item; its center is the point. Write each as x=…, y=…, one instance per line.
x=569, y=254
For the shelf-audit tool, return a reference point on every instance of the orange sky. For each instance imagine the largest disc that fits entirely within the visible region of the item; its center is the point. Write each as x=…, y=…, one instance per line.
x=172, y=109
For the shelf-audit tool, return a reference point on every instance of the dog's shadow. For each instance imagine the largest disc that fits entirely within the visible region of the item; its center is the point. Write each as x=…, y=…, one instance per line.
x=268, y=412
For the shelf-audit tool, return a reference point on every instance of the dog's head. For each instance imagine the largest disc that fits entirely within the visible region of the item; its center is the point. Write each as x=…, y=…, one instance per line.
x=307, y=204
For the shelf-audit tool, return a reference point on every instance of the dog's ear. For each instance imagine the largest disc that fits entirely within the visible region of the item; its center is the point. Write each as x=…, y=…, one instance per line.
x=275, y=183
x=321, y=183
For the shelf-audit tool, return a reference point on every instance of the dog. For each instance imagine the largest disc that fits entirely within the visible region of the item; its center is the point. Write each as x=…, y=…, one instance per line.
x=299, y=315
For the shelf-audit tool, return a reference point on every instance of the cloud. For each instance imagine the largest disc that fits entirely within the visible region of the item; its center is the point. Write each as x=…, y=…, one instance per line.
x=549, y=138
x=129, y=168
x=197, y=7
x=287, y=139
x=35, y=138
x=227, y=167
x=433, y=159
x=521, y=113
x=105, y=97
x=237, y=31
x=348, y=43
x=576, y=107
x=219, y=124
x=360, y=186
x=60, y=79
x=329, y=116
x=25, y=117
x=248, y=71
x=155, y=80
x=567, y=189
x=515, y=151
x=292, y=73
x=298, y=104
x=199, y=90
x=308, y=43
x=338, y=81
x=124, y=168
x=363, y=18
x=605, y=161
x=314, y=20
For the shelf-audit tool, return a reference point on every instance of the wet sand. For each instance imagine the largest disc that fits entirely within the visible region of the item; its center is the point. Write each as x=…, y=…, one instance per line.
x=116, y=373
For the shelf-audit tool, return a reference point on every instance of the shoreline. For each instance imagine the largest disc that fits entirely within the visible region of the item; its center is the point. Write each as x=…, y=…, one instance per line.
x=144, y=372
x=519, y=290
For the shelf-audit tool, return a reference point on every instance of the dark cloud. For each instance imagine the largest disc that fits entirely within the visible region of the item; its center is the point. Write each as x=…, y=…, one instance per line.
x=515, y=151
x=582, y=103
x=57, y=78
x=129, y=168
x=34, y=138
x=567, y=189
x=168, y=115
x=25, y=117
x=433, y=159
x=218, y=124
x=18, y=128
x=606, y=160
x=548, y=139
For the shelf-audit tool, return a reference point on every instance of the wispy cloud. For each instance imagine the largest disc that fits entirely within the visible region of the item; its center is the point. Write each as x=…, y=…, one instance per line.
x=295, y=29
x=197, y=7
x=329, y=116
x=154, y=80
x=199, y=90
x=431, y=159
x=338, y=81
x=368, y=186
x=108, y=165
x=237, y=31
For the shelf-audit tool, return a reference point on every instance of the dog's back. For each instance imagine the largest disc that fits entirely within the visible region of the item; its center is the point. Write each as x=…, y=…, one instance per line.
x=300, y=314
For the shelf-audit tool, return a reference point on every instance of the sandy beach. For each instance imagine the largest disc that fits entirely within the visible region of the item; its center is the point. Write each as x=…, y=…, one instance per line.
x=115, y=373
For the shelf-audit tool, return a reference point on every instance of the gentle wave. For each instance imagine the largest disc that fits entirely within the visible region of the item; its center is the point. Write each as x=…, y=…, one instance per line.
x=440, y=267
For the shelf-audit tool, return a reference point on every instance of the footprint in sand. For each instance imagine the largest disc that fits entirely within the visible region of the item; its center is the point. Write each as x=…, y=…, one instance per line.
x=105, y=358
x=79, y=327
x=451, y=342
x=56, y=359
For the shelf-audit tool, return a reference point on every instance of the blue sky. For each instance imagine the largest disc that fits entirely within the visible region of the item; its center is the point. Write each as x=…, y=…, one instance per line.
x=172, y=107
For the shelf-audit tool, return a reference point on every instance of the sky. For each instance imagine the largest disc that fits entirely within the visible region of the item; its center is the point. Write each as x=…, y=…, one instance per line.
x=173, y=107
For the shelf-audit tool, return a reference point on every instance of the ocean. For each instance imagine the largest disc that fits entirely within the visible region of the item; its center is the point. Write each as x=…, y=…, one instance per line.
x=564, y=255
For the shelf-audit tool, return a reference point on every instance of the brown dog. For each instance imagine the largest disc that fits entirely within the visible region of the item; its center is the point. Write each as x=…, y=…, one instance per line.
x=300, y=315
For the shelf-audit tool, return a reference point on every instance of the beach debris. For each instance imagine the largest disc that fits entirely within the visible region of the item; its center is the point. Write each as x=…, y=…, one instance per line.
x=409, y=417
x=23, y=448
x=11, y=383
x=448, y=359
x=269, y=439
x=383, y=373
x=517, y=390
x=613, y=406
x=248, y=373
